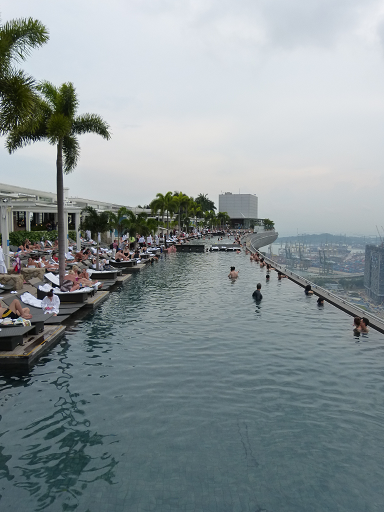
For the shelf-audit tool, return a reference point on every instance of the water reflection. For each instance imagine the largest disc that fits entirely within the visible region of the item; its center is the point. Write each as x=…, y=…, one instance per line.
x=65, y=454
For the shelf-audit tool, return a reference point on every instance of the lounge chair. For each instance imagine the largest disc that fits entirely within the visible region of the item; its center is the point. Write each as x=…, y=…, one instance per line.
x=12, y=336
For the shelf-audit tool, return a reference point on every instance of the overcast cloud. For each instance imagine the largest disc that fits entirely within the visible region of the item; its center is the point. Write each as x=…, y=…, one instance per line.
x=282, y=99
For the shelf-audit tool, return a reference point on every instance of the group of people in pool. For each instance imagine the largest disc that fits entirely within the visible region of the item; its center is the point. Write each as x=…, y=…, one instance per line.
x=360, y=324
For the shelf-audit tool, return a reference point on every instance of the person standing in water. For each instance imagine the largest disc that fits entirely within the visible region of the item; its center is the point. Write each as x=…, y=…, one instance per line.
x=233, y=274
x=257, y=293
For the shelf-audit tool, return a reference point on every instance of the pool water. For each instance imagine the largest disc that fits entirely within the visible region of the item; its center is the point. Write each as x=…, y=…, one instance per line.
x=181, y=394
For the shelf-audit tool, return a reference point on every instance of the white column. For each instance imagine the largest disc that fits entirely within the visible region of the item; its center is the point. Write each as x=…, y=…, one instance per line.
x=27, y=221
x=66, y=189
x=66, y=229
x=6, y=211
x=77, y=224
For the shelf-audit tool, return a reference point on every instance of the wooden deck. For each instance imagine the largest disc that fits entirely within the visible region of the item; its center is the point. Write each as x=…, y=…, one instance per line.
x=96, y=300
x=23, y=356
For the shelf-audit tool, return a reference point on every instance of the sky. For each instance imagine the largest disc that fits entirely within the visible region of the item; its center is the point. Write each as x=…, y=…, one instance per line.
x=280, y=99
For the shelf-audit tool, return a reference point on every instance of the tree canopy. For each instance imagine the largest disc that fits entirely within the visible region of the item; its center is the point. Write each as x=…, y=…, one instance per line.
x=17, y=89
x=205, y=204
x=57, y=122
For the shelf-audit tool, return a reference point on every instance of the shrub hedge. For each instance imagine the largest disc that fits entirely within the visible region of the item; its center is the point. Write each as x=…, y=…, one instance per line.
x=18, y=237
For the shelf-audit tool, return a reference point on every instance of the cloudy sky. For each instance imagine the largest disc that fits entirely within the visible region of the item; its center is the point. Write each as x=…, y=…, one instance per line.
x=284, y=99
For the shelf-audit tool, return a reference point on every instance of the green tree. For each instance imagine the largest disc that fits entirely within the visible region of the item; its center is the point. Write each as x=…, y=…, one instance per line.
x=17, y=89
x=194, y=210
x=210, y=218
x=158, y=205
x=223, y=219
x=96, y=223
x=123, y=220
x=169, y=206
x=205, y=204
x=268, y=224
x=56, y=121
x=181, y=202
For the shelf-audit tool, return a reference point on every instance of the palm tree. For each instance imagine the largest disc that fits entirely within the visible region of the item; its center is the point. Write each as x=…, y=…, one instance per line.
x=210, y=218
x=205, y=204
x=56, y=121
x=169, y=206
x=123, y=220
x=17, y=89
x=158, y=205
x=96, y=223
x=180, y=201
x=223, y=218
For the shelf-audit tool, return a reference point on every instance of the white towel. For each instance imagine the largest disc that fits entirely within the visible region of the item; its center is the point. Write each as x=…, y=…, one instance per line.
x=52, y=278
x=29, y=299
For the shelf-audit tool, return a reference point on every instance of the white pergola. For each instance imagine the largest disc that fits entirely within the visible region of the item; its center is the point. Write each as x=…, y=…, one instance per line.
x=21, y=199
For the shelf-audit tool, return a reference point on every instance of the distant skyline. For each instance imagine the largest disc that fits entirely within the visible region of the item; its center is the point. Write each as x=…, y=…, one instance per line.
x=284, y=100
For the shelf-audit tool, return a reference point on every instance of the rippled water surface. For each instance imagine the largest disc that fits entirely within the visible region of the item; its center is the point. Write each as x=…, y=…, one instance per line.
x=181, y=394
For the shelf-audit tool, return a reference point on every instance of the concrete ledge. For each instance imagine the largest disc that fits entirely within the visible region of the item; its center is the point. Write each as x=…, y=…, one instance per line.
x=30, y=273
x=14, y=280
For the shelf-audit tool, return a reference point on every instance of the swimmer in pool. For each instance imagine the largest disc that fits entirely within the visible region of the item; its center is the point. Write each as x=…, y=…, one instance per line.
x=257, y=293
x=320, y=301
x=233, y=274
x=357, y=324
x=308, y=290
x=267, y=277
x=364, y=324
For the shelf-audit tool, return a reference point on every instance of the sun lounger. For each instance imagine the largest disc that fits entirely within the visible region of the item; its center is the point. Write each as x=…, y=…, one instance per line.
x=6, y=287
x=10, y=337
x=76, y=296
x=64, y=310
x=100, y=275
x=122, y=264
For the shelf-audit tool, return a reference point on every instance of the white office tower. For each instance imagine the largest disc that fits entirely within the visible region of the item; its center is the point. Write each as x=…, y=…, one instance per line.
x=241, y=208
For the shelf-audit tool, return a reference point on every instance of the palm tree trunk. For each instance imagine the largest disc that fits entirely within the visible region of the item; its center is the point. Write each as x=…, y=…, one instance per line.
x=97, y=254
x=60, y=210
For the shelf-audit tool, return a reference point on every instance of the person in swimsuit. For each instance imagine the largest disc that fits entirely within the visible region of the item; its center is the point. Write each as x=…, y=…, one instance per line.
x=14, y=311
x=364, y=324
x=356, y=324
x=233, y=274
x=257, y=293
x=308, y=290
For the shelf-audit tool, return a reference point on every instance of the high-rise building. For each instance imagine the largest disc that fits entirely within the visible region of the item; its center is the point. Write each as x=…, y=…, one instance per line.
x=374, y=273
x=241, y=208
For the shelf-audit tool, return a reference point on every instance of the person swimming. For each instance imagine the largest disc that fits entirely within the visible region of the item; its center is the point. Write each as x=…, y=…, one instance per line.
x=364, y=324
x=320, y=301
x=267, y=277
x=356, y=324
x=233, y=274
x=308, y=290
x=257, y=293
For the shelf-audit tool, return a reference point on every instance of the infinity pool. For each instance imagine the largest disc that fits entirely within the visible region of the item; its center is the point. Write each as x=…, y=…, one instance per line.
x=181, y=394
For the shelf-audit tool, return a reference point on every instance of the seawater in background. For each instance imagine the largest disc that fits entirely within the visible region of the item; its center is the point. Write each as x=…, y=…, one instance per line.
x=180, y=393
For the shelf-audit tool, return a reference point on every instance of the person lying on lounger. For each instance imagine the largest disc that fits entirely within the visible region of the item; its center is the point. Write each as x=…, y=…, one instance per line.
x=14, y=311
x=75, y=276
x=120, y=256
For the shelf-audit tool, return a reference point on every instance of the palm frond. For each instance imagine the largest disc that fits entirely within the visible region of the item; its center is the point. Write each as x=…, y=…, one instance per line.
x=71, y=153
x=91, y=123
x=17, y=99
x=31, y=130
x=49, y=92
x=58, y=127
x=68, y=101
x=18, y=37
